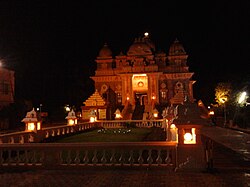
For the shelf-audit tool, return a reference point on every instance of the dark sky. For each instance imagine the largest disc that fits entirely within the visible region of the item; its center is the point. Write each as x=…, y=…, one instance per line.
x=52, y=45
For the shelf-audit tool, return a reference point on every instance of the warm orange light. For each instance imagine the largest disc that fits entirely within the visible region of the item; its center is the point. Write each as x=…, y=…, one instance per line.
x=190, y=138
x=67, y=108
x=127, y=98
x=118, y=116
x=211, y=112
x=172, y=126
x=223, y=99
x=92, y=119
x=71, y=122
x=153, y=97
x=155, y=115
x=38, y=125
x=31, y=126
x=199, y=103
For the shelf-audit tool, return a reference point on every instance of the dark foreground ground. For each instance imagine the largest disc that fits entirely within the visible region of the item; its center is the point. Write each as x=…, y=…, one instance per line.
x=230, y=170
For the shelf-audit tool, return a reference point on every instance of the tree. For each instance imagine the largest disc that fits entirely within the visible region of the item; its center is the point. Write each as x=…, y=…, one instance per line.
x=222, y=96
x=222, y=93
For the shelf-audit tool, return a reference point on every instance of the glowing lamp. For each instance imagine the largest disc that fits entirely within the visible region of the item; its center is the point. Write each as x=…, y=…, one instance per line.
x=155, y=113
x=242, y=97
x=172, y=126
x=92, y=116
x=31, y=126
x=190, y=137
x=67, y=108
x=71, y=122
x=92, y=119
x=72, y=119
x=38, y=125
x=211, y=112
x=118, y=114
x=32, y=121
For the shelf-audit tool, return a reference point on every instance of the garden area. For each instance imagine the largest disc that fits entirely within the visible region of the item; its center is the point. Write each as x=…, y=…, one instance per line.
x=116, y=135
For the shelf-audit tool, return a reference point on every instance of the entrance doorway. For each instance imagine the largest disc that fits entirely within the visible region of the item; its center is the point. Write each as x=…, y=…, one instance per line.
x=141, y=98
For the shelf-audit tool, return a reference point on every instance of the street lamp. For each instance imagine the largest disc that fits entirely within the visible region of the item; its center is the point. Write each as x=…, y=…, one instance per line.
x=242, y=98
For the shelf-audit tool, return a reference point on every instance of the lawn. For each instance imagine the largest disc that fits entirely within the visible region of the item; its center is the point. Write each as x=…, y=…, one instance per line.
x=109, y=135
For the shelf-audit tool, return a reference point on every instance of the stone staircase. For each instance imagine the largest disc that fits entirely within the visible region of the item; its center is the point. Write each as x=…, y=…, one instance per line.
x=127, y=112
x=138, y=112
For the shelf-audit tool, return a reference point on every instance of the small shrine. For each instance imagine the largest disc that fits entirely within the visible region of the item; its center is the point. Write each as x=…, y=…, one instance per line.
x=32, y=121
x=94, y=103
x=118, y=114
x=155, y=113
x=71, y=118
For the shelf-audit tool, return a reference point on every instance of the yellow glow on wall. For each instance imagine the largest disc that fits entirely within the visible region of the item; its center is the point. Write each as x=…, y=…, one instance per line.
x=140, y=82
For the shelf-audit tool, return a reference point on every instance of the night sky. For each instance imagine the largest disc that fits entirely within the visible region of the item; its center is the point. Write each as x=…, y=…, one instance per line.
x=52, y=45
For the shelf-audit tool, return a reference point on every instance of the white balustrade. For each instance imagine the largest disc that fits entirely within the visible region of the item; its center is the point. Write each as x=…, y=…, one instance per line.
x=58, y=155
x=65, y=129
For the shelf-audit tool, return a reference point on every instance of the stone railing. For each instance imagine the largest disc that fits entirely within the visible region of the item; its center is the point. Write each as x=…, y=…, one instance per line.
x=78, y=155
x=127, y=123
x=31, y=137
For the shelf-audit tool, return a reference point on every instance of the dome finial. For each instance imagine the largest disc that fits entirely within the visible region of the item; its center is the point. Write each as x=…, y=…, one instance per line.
x=105, y=51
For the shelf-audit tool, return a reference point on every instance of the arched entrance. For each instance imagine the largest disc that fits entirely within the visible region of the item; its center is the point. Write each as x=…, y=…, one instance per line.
x=141, y=98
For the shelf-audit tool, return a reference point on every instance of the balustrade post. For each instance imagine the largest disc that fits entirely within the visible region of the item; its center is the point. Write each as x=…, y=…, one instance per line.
x=51, y=159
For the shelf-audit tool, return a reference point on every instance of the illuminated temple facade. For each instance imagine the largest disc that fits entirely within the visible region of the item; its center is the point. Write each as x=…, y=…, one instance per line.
x=143, y=79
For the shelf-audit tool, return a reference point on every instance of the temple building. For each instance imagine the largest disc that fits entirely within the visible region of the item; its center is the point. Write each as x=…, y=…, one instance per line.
x=7, y=85
x=7, y=89
x=143, y=79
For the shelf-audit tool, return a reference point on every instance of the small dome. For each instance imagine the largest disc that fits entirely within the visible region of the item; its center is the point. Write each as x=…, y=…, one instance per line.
x=176, y=49
x=71, y=115
x=30, y=116
x=139, y=47
x=105, y=51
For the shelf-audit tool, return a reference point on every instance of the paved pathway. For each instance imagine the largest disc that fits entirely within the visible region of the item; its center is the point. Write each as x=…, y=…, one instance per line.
x=233, y=139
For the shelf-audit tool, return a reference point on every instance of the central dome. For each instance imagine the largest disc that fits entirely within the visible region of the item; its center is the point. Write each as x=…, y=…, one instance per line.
x=139, y=47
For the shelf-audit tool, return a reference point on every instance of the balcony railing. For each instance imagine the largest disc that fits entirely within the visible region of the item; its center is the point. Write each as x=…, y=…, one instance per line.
x=58, y=155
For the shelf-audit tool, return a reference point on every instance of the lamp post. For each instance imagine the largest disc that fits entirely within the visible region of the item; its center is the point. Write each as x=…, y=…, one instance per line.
x=223, y=101
x=225, y=115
